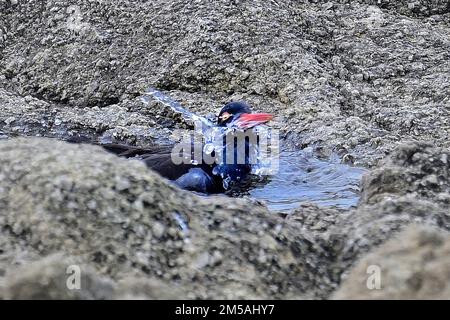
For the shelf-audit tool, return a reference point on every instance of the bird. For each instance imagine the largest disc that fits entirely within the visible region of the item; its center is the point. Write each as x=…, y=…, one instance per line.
x=201, y=177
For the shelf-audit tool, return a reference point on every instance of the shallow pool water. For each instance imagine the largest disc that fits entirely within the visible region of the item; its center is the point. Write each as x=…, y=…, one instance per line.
x=302, y=177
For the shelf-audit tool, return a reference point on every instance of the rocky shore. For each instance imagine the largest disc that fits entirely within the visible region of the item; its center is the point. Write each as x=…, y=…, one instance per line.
x=365, y=80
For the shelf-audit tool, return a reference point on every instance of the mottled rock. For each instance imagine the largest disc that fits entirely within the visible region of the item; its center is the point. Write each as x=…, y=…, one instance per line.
x=60, y=277
x=135, y=288
x=413, y=265
x=127, y=122
x=417, y=8
x=49, y=278
x=231, y=249
x=362, y=229
x=353, y=77
x=315, y=218
x=396, y=193
x=416, y=168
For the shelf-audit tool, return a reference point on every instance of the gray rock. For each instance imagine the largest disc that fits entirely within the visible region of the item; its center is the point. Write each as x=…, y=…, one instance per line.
x=135, y=288
x=395, y=194
x=355, y=78
x=413, y=265
x=416, y=168
x=53, y=277
x=47, y=187
x=49, y=278
x=417, y=8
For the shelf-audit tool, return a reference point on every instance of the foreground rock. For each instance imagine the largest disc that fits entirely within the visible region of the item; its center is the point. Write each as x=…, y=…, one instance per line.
x=125, y=221
x=48, y=279
x=395, y=194
x=413, y=265
x=418, y=169
x=54, y=277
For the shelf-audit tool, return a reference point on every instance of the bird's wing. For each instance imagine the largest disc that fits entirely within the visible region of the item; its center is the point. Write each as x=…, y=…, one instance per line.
x=157, y=158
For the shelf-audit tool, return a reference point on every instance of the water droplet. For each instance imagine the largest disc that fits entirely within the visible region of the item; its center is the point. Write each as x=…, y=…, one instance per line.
x=226, y=183
x=208, y=148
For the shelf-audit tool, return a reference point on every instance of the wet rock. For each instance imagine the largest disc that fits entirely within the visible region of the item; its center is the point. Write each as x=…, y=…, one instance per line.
x=357, y=79
x=413, y=265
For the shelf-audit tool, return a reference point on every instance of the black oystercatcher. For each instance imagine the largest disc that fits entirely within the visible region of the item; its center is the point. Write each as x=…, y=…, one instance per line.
x=200, y=176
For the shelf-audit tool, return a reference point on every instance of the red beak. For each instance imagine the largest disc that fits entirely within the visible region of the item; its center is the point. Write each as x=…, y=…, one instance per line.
x=250, y=120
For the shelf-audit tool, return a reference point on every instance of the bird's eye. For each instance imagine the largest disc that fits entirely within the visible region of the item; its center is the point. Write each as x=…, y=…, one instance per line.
x=224, y=116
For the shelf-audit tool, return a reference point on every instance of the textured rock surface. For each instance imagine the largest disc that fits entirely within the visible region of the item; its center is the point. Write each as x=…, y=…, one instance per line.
x=413, y=265
x=50, y=278
x=120, y=218
x=47, y=279
x=394, y=195
x=416, y=169
x=418, y=8
x=127, y=122
x=356, y=78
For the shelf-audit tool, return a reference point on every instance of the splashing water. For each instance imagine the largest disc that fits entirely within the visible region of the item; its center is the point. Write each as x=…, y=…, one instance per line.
x=297, y=177
x=209, y=148
x=175, y=106
x=302, y=177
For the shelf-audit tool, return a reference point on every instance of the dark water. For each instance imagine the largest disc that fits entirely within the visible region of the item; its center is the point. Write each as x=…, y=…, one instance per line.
x=302, y=177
